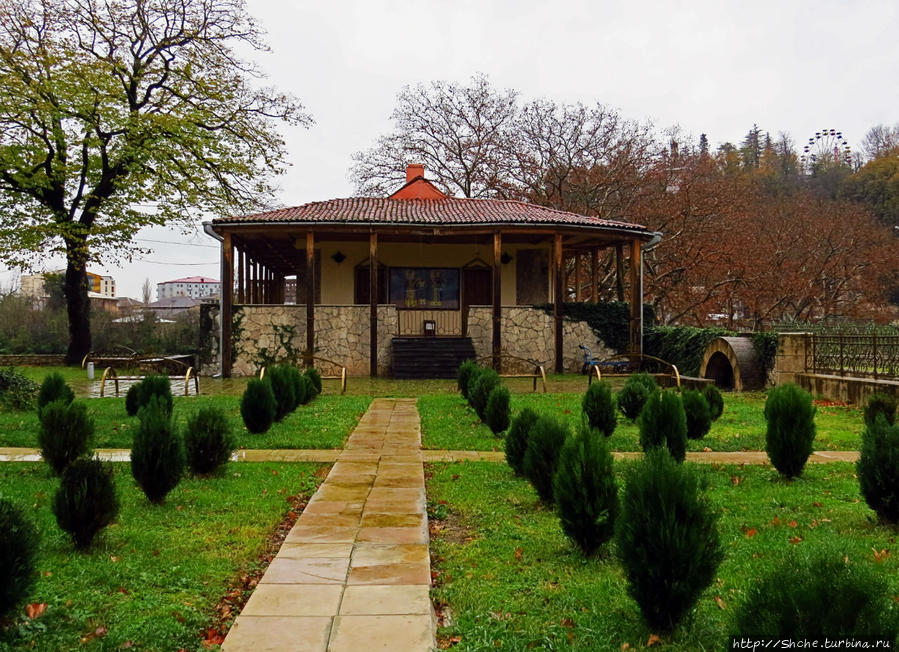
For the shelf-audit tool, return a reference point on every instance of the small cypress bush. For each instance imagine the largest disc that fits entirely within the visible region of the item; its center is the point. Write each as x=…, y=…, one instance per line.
x=585, y=491
x=463, y=375
x=878, y=468
x=208, y=440
x=86, y=500
x=517, y=439
x=664, y=423
x=157, y=385
x=880, y=404
x=818, y=594
x=541, y=457
x=473, y=376
x=296, y=383
x=599, y=407
x=279, y=379
x=157, y=455
x=306, y=390
x=315, y=378
x=132, y=400
x=699, y=417
x=716, y=402
x=667, y=539
x=16, y=391
x=498, y=411
x=791, y=428
x=19, y=542
x=257, y=406
x=480, y=391
x=54, y=388
x=637, y=389
x=65, y=433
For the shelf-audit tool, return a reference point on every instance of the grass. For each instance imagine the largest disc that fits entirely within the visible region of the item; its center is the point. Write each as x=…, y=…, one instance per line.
x=324, y=423
x=507, y=577
x=151, y=580
x=447, y=422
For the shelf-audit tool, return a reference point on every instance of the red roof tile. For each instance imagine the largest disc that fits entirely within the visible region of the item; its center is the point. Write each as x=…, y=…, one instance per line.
x=377, y=210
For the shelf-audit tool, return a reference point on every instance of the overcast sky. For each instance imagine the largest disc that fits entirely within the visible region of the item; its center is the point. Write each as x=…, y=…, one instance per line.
x=715, y=66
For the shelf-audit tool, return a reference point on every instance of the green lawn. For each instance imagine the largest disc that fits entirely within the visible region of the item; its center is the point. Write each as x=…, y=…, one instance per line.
x=324, y=423
x=447, y=422
x=511, y=580
x=152, y=579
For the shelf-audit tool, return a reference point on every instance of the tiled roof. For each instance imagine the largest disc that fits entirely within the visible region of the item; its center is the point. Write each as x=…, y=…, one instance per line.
x=191, y=279
x=369, y=210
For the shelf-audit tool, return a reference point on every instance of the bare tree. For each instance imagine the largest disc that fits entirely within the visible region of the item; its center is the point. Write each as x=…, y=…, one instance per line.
x=880, y=139
x=146, y=291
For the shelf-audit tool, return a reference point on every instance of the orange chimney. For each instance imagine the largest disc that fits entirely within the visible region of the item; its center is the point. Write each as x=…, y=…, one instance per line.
x=414, y=170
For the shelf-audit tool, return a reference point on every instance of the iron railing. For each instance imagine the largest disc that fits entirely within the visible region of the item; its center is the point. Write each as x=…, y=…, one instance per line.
x=874, y=356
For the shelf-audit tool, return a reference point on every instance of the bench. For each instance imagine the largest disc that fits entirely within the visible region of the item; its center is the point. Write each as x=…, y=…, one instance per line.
x=539, y=372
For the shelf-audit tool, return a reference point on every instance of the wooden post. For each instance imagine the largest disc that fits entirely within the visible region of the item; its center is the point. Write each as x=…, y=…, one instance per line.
x=227, y=302
x=246, y=278
x=619, y=271
x=594, y=270
x=310, y=299
x=373, y=303
x=263, y=283
x=254, y=272
x=577, y=275
x=497, y=299
x=636, y=330
x=240, y=283
x=558, y=299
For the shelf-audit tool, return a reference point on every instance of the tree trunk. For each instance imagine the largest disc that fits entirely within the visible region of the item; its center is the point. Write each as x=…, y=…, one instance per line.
x=78, y=307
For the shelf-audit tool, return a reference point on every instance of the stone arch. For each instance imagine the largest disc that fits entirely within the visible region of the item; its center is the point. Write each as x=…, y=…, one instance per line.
x=732, y=363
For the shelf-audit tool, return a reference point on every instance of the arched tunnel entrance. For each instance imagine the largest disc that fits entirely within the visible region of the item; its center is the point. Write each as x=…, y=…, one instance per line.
x=732, y=363
x=720, y=370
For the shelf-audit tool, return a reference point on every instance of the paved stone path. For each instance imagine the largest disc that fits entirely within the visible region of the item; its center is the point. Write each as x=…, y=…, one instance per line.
x=354, y=572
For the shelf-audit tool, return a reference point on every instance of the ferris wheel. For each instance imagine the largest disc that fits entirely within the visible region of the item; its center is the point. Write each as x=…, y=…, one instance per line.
x=827, y=148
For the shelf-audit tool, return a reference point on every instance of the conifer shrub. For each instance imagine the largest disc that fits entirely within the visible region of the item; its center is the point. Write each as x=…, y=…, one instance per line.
x=585, y=491
x=663, y=422
x=715, y=400
x=480, y=391
x=157, y=385
x=257, y=406
x=637, y=389
x=517, y=439
x=132, y=400
x=16, y=391
x=296, y=383
x=279, y=379
x=498, y=411
x=880, y=404
x=464, y=374
x=316, y=379
x=54, y=388
x=19, y=543
x=818, y=593
x=65, y=433
x=208, y=441
x=86, y=500
x=791, y=428
x=472, y=379
x=305, y=389
x=666, y=538
x=541, y=457
x=699, y=417
x=599, y=407
x=157, y=454
x=878, y=468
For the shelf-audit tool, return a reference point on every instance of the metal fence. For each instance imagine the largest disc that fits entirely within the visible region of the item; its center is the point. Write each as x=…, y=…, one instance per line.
x=874, y=356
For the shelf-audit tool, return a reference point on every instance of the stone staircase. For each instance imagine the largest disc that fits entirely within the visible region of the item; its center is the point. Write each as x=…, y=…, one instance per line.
x=429, y=357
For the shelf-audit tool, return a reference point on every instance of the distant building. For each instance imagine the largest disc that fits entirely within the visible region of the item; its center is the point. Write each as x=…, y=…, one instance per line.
x=195, y=287
x=97, y=285
x=171, y=307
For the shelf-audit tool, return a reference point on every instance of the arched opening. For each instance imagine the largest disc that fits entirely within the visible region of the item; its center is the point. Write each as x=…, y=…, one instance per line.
x=720, y=370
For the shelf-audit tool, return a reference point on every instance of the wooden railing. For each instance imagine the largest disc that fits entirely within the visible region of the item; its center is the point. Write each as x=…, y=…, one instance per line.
x=876, y=356
x=411, y=322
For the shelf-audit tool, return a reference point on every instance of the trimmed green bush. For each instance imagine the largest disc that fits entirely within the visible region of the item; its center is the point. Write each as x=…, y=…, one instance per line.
x=715, y=401
x=541, y=457
x=132, y=400
x=664, y=423
x=878, y=468
x=86, y=500
x=19, y=543
x=464, y=376
x=517, y=439
x=278, y=378
x=157, y=455
x=54, y=388
x=791, y=428
x=315, y=378
x=480, y=389
x=599, y=407
x=299, y=389
x=498, y=412
x=666, y=538
x=818, y=593
x=257, y=406
x=585, y=491
x=306, y=390
x=65, y=433
x=637, y=388
x=208, y=440
x=157, y=385
x=880, y=404
x=698, y=413
x=16, y=391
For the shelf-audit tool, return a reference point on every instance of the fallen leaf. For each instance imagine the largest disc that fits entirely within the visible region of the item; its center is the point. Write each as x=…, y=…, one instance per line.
x=518, y=553
x=751, y=532
x=653, y=640
x=735, y=480
x=795, y=540
x=793, y=524
x=880, y=556
x=704, y=450
x=775, y=521
x=721, y=604
x=100, y=631
x=817, y=504
x=35, y=609
x=625, y=646
x=566, y=622
x=113, y=559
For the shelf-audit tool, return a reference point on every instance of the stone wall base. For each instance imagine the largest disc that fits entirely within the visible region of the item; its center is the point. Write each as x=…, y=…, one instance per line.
x=844, y=388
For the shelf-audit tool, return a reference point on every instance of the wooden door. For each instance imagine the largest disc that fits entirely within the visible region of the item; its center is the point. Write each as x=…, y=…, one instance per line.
x=477, y=290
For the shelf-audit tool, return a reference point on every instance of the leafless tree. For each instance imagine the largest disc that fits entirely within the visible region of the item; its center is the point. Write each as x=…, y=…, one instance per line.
x=880, y=139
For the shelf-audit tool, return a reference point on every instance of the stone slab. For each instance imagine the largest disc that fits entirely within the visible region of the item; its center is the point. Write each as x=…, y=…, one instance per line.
x=294, y=600
x=386, y=600
x=382, y=633
x=314, y=550
x=314, y=570
x=278, y=633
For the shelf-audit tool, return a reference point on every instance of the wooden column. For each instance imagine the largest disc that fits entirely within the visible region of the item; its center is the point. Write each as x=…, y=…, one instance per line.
x=240, y=283
x=619, y=270
x=310, y=299
x=577, y=275
x=636, y=335
x=263, y=284
x=594, y=270
x=558, y=298
x=497, y=299
x=254, y=282
x=373, y=303
x=227, y=302
x=246, y=278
